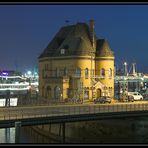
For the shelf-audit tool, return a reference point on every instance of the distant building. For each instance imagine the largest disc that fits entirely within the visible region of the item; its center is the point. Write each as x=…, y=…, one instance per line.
x=9, y=73
x=76, y=64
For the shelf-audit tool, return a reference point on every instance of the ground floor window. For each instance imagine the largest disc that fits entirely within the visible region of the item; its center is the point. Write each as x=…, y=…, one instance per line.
x=86, y=94
x=57, y=92
x=48, y=91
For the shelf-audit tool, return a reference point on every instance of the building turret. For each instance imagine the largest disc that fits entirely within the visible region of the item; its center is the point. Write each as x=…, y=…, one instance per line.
x=105, y=66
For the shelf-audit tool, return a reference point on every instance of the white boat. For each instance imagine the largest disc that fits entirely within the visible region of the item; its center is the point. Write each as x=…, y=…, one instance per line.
x=16, y=85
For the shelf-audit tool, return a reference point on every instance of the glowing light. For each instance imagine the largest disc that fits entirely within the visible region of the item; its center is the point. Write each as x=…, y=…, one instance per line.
x=29, y=72
x=4, y=74
x=125, y=63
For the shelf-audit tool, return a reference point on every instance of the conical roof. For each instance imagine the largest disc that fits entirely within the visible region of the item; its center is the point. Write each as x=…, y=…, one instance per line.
x=103, y=49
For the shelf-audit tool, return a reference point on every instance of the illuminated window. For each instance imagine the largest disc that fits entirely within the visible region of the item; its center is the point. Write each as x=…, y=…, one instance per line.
x=78, y=72
x=110, y=72
x=57, y=92
x=62, y=51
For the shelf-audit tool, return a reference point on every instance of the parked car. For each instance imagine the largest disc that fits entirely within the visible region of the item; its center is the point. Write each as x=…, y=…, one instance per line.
x=103, y=99
x=135, y=96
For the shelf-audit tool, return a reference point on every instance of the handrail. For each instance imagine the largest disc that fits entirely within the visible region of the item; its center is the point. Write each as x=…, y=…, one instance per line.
x=64, y=110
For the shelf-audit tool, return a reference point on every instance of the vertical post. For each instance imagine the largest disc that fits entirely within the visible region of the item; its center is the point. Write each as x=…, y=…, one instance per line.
x=82, y=93
x=7, y=98
x=63, y=132
x=118, y=88
x=17, y=131
x=91, y=77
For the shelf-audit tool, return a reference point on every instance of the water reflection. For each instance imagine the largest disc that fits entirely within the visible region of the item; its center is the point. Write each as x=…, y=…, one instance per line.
x=7, y=135
x=133, y=130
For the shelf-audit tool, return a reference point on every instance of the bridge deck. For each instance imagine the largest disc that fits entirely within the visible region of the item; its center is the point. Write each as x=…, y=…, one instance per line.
x=35, y=115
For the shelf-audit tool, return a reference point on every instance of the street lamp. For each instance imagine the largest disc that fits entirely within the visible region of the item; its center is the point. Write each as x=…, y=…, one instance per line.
x=29, y=73
x=29, y=78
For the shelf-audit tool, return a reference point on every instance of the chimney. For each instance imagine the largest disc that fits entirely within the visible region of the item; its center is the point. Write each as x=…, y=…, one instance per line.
x=92, y=34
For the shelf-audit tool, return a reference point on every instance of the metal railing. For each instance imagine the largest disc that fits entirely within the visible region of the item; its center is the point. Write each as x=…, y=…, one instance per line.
x=15, y=113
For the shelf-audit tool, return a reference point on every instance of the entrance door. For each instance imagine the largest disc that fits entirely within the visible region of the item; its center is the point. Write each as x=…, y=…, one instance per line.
x=98, y=93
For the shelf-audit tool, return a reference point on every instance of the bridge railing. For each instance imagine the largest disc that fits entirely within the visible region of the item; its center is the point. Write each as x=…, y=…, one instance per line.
x=10, y=113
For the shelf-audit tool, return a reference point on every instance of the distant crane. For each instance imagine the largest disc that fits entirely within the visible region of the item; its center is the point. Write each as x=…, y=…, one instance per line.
x=133, y=68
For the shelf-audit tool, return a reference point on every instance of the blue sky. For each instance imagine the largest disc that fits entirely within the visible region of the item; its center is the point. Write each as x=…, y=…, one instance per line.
x=25, y=30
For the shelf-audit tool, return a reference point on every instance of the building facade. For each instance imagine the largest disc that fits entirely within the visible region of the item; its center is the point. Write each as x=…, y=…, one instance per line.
x=76, y=64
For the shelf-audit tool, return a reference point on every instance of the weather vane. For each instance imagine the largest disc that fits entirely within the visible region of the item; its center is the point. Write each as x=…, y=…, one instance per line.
x=67, y=21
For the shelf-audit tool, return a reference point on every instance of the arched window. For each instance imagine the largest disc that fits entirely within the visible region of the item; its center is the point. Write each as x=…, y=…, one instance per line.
x=48, y=91
x=86, y=73
x=78, y=72
x=43, y=91
x=57, y=92
x=65, y=71
x=110, y=72
x=103, y=72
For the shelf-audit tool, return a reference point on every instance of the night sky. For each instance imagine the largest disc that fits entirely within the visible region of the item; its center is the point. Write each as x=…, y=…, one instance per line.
x=25, y=30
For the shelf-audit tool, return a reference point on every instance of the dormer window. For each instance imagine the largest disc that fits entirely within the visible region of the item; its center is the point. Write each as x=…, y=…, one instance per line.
x=62, y=51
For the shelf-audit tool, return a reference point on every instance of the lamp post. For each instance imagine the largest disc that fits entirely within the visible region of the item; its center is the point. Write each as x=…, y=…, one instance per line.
x=61, y=97
x=124, y=89
x=91, y=74
x=29, y=79
x=7, y=98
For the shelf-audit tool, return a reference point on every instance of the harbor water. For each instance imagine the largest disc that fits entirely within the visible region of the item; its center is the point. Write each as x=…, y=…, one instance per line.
x=131, y=130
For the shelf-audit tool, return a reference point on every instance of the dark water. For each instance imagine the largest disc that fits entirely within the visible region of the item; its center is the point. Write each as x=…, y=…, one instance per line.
x=133, y=130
